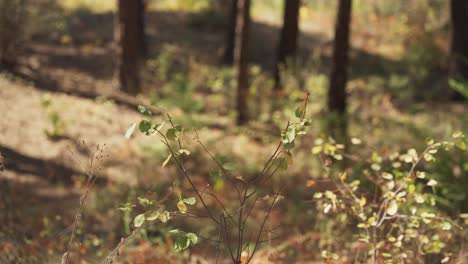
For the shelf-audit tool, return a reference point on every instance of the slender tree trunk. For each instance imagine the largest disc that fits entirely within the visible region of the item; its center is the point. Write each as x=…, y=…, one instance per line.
x=228, y=57
x=130, y=44
x=141, y=28
x=241, y=59
x=289, y=35
x=13, y=34
x=459, y=48
x=338, y=78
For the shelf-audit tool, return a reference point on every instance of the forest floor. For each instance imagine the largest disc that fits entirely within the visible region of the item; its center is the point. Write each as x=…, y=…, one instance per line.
x=60, y=76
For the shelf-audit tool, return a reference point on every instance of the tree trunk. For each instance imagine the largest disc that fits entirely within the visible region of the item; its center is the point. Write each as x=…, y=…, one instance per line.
x=241, y=59
x=228, y=57
x=338, y=78
x=130, y=44
x=459, y=47
x=289, y=35
x=141, y=28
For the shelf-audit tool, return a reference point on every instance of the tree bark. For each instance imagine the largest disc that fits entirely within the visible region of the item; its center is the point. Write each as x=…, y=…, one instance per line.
x=141, y=28
x=228, y=57
x=241, y=59
x=288, y=40
x=130, y=44
x=459, y=45
x=338, y=78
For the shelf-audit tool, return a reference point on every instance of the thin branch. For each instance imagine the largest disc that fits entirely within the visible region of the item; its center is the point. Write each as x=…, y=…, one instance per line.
x=263, y=225
x=187, y=176
x=89, y=185
x=111, y=257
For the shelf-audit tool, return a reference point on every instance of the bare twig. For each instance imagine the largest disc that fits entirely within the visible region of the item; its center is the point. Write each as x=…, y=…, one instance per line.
x=89, y=185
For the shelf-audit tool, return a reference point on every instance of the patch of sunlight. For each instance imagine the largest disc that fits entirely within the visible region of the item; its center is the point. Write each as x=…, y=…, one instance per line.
x=268, y=11
x=180, y=5
x=94, y=6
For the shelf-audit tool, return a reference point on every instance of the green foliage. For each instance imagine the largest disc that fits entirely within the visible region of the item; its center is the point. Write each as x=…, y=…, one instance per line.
x=403, y=217
x=183, y=240
x=461, y=86
x=57, y=124
x=179, y=91
x=172, y=139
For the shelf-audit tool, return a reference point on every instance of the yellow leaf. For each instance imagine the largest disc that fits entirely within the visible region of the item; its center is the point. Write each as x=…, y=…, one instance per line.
x=316, y=149
x=182, y=207
x=344, y=176
x=363, y=201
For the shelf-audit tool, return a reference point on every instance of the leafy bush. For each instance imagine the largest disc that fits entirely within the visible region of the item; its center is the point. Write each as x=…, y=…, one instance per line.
x=57, y=124
x=391, y=201
x=235, y=228
x=392, y=204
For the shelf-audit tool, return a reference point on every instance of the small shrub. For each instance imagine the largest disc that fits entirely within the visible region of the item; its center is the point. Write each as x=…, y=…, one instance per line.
x=392, y=205
x=57, y=124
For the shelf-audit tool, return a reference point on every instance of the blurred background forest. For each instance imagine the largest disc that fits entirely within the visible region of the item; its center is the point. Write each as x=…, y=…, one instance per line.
x=372, y=166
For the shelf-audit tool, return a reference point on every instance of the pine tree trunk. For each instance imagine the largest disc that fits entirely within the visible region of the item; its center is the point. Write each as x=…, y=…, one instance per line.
x=228, y=57
x=141, y=28
x=338, y=78
x=289, y=35
x=130, y=44
x=459, y=47
x=241, y=59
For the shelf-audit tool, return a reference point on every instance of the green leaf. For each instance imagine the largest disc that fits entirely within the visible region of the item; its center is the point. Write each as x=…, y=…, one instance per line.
x=181, y=243
x=189, y=200
x=387, y=176
x=153, y=215
x=184, y=240
x=130, y=130
x=164, y=217
x=375, y=167
x=306, y=122
x=144, y=110
x=446, y=226
x=167, y=160
x=300, y=111
x=145, y=202
x=386, y=255
x=229, y=166
x=459, y=86
x=174, y=133
x=461, y=145
x=291, y=134
x=458, y=134
x=192, y=237
x=171, y=133
x=392, y=208
x=289, y=145
x=139, y=220
x=145, y=126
